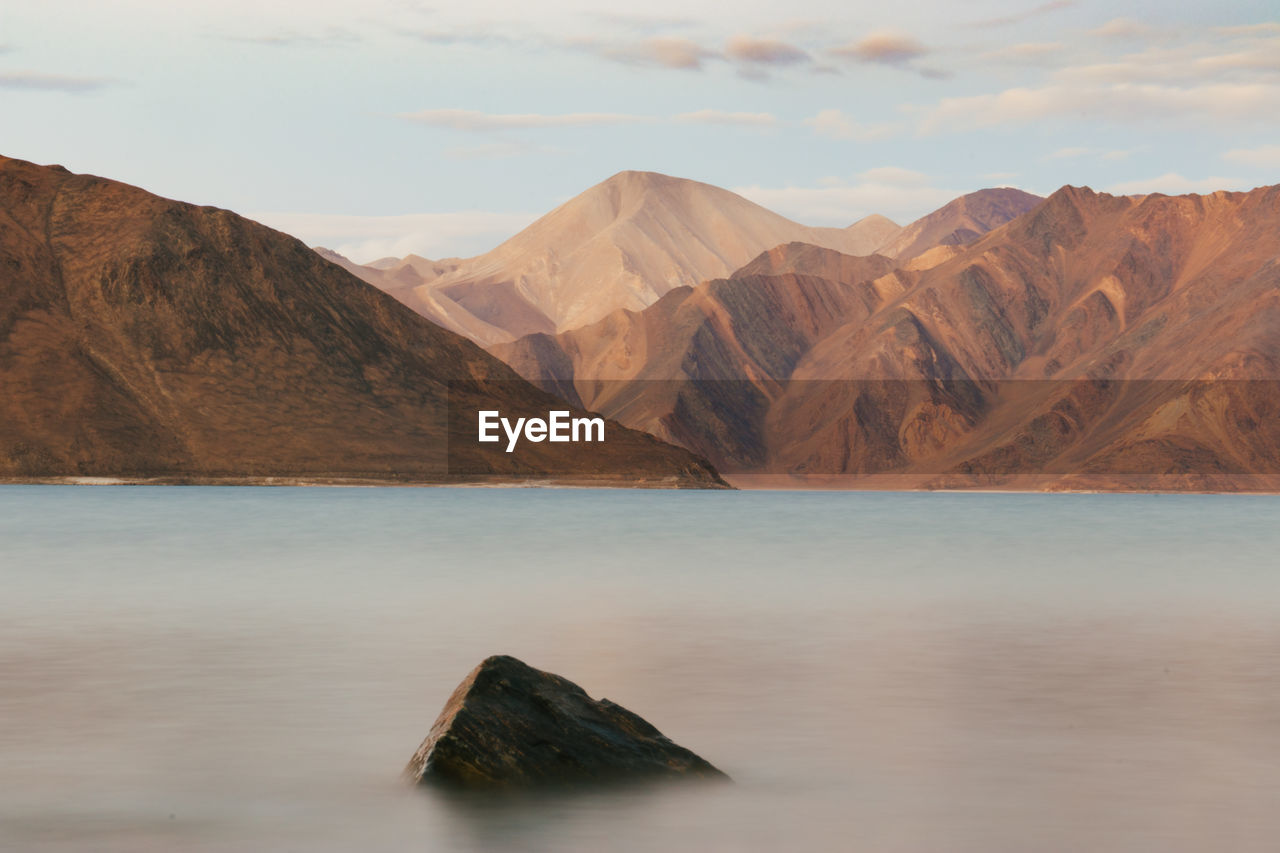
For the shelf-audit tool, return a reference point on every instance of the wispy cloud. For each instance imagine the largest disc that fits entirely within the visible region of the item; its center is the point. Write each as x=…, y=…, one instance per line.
x=764, y=51
x=293, y=38
x=1173, y=184
x=895, y=49
x=901, y=194
x=1122, y=28
x=681, y=54
x=835, y=124
x=1125, y=102
x=1264, y=156
x=645, y=24
x=1068, y=153
x=35, y=81
x=432, y=235
x=885, y=47
x=722, y=117
x=464, y=38
x=1026, y=53
x=752, y=56
x=476, y=121
x=1264, y=28
x=1119, y=153
x=1026, y=14
x=479, y=122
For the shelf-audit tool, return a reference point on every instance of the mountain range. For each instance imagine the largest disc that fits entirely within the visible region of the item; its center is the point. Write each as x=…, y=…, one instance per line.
x=1092, y=336
x=1088, y=340
x=145, y=338
x=623, y=243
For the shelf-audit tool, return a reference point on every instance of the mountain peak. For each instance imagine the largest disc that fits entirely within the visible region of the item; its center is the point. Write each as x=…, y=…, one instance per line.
x=639, y=176
x=622, y=243
x=960, y=221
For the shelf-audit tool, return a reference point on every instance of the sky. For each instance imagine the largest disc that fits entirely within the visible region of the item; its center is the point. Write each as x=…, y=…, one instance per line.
x=386, y=127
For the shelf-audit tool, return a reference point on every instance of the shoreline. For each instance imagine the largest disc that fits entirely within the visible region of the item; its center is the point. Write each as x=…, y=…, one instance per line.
x=746, y=483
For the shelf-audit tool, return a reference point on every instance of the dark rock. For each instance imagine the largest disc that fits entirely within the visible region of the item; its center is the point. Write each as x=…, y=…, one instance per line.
x=508, y=725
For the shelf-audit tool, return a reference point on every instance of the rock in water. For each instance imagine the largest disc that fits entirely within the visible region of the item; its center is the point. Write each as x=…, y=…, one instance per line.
x=508, y=725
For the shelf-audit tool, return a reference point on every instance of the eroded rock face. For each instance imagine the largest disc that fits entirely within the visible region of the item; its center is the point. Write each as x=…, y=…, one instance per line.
x=508, y=725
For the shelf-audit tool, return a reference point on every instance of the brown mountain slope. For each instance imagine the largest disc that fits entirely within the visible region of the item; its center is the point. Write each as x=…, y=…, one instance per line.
x=1091, y=338
x=958, y=222
x=143, y=338
x=621, y=244
x=755, y=326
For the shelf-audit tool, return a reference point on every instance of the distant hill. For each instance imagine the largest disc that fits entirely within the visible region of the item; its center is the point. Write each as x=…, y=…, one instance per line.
x=620, y=244
x=959, y=221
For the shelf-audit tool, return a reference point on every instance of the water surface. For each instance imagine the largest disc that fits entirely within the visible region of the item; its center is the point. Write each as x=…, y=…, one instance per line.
x=229, y=669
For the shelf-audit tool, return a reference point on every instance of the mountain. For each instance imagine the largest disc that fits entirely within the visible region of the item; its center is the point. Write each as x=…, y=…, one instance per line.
x=399, y=277
x=147, y=338
x=643, y=366
x=958, y=222
x=392, y=273
x=621, y=244
x=1095, y=341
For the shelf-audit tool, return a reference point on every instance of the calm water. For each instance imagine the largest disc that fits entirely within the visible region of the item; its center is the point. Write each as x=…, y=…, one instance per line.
x=248, y=669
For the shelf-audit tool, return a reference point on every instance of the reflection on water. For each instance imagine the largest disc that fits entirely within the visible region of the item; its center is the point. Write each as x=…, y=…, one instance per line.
x=249, y=669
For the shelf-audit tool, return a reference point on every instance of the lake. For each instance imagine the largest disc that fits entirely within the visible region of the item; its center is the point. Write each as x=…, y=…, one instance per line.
x=231, y=669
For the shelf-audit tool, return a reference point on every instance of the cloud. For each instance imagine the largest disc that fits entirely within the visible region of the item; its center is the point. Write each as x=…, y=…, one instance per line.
x=1266, y=156
x=671, y=52
x=764, y=51
x=476, y=121
x=35, y=81
x=880, y=191
x=1068, y=153
x=752, y=55
x=463, y=38
x=1019, y=17
x=432, y=235
x=834, y=124
x=1173, y=184
x=1122, y=28
x=1000, y=176
x=642, y=23
x=1191, y=63
x=885, y=47
x=678, y=53
x=335, y=35
x=1025, y=53
x=722, y=117
x=1264, y=28
x=1260, y=58
x=1119, y=153
x=1125, y=102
